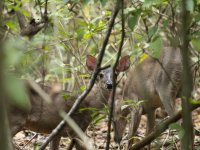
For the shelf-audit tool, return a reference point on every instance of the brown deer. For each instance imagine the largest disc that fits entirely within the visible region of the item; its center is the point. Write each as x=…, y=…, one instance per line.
x=43, y=117
x=151, y=84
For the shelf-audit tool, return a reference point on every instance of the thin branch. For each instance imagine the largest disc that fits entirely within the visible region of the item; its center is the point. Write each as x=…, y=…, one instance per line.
x=146, y=27
x=119, y=3
x=159, y=129
x=40, y=8
x=160, y=16
x=29, y=27
x=92, y=81
x=173, y=15
x=45, y=17
x=157, y=22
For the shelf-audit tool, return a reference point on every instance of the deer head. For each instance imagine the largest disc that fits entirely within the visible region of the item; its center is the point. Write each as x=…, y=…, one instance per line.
x=106, y=75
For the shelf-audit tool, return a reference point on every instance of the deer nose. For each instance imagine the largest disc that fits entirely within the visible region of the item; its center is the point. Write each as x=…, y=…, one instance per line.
x=109, y=85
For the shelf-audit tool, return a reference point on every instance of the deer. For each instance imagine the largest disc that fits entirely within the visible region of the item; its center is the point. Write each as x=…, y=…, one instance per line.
x=43, y=117
x=151, y=84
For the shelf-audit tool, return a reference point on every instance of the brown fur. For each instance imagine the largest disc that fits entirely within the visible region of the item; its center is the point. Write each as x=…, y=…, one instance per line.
x=155, y=86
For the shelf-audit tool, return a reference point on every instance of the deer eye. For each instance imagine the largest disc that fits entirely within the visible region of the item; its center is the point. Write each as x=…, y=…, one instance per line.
x=101, y=75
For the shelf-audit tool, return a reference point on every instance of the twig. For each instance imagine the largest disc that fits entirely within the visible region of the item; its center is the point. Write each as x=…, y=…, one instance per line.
x=164, y=141
x=40, y=8
x=92, y=81
x=119, y=3
x=29, y=27
x=46, y=7
x=173, y=15
x=156, y=24
x=29, y=141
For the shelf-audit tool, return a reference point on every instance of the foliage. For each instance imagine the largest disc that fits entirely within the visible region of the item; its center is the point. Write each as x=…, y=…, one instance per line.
x=178, y=128
x=77, y=28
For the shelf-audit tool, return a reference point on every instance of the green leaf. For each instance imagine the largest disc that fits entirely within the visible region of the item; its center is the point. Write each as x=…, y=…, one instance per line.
x=87, y=35
x=101, y=25
x=152, y=31
x=13, y=54
x=133, y=19
x=149, y=3
x=11, y=25
x=156, y=47
x=177, y=126
x=103, y=2
x=17, y=92
x=97, y=118
x=129, y=10
x=82, y=88
x=132, y=102
x=85, y=1
x=194, y=101
x=25, y=13
x=108, y=13
x=88, y=108
x=80, y=33
x=190, y=5
x=196, y=44
x=181, y=133
x=84, y=75
x=66, y=95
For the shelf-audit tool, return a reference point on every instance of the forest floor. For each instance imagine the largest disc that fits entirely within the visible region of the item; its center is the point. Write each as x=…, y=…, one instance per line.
x=169, y=140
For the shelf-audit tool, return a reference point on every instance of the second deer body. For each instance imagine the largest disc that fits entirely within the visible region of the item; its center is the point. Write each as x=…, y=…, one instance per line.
x=151, y=84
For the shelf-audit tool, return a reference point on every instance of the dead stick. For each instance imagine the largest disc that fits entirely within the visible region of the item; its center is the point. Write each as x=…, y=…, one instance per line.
x=159, y=129
x=61, y=125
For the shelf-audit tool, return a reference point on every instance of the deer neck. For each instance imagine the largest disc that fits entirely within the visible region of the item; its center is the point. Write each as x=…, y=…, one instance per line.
x=100, y=95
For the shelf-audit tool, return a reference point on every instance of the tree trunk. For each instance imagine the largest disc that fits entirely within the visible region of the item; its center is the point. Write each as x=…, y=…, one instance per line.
x=5, y=138
x=187, y=140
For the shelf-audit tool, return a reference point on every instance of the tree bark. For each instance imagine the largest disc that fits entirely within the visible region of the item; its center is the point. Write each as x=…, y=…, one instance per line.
x=187, y=140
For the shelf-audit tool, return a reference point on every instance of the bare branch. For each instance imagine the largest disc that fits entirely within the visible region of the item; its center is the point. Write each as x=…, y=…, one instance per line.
x=29, y=27
x=159, y=129
x=120, y=5
x=91, y=84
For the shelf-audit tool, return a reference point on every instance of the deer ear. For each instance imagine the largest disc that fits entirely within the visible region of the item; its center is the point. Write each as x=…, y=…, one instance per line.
x=91, y=62
x=123, y=64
